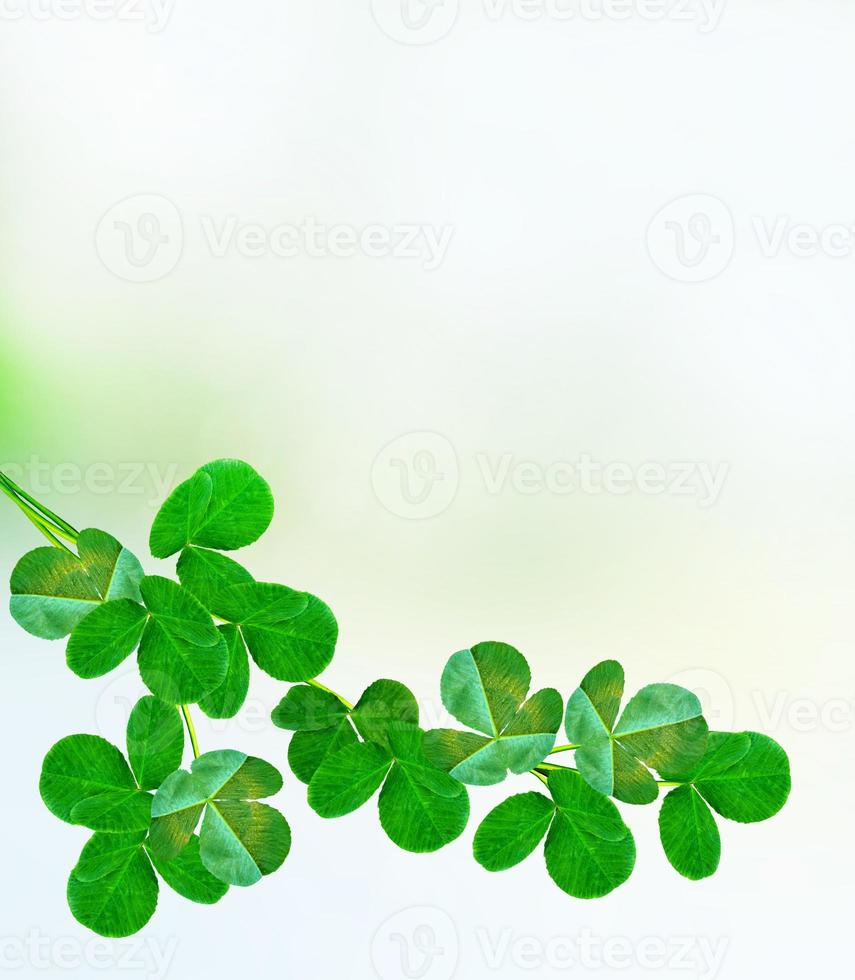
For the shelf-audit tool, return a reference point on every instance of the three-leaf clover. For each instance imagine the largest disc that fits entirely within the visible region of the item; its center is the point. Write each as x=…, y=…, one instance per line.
x=87, y=781
x=589, y=850
x=240, y=839
x=662, y=727
x=421, y=808
x=485, y=688
x=744, y=777
x=53, y=590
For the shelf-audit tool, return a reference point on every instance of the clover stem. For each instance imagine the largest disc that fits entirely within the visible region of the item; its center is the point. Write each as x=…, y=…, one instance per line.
x=70, y=533
x=51, y=531
x=328, y=690
x=191, y=731
x=540, y=776
x=661, y=782
x=549, y=767
x=563, y=748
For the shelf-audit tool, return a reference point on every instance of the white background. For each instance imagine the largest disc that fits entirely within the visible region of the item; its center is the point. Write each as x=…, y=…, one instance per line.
x=561, y=322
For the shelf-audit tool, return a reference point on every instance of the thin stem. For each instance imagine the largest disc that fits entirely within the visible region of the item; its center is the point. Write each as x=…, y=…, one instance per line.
x=48, y=530
x=661, y=782
x=60, y=522
x=549, y=767
x=53, y=527
x=563, y=748
x=328, y=690
x=540, y=776
x=191, y=731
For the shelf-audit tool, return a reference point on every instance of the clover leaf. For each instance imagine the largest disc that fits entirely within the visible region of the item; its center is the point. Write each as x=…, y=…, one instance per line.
x=689, y=834
x=240, y=839
x=53, y=590
x=155, y=738
x=113, y=889
x=589, y=850
x=207, y=574
x=661, y=727
x=421, y=808
x=87, y=781
x=323, y=724
x=291, y=635
x=485, y=688
x=105, y=638
x=225, y=505
x=182, y=656
x=187, y=875
x=743, y=776
x=226, y=700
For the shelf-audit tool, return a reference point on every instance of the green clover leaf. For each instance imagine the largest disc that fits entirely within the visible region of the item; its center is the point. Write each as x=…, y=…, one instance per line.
x=589, y=850
x=53, y=590
x=421, y=808
x=105, y=638
x=225, y=505
x=187, y=875
x=240, y=839
x=226, y=700
x=689, y=834
x=485, y=688
x=743, y=776
x=86, y=780
x=182, y=656
x=207, y=574
x=661, y=727
x=113, y=889
x=155, y=739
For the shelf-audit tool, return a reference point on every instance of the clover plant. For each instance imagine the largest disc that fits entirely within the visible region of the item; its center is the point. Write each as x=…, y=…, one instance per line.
x=202, y=828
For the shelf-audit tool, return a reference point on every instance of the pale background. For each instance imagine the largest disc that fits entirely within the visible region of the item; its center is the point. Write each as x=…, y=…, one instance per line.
x=555, y=327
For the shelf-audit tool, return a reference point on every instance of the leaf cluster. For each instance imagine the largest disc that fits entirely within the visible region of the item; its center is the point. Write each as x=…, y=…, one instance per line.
x=203, y=828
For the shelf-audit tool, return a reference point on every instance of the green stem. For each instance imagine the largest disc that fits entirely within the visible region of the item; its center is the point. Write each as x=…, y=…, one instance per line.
x=564, y=748
x=540, y=776
x=191, y=731
x=661, y=782
x=328, y=690
x=50, y=531
x=549, y=767
x=53, y=527
x=70, y=532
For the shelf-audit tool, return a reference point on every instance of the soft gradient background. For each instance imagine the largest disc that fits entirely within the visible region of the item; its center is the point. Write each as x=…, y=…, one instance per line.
x=547, y=333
